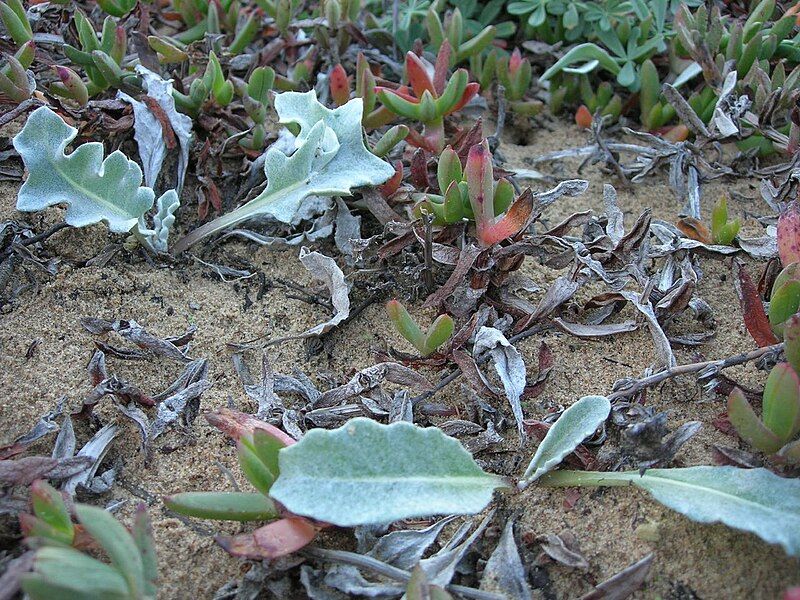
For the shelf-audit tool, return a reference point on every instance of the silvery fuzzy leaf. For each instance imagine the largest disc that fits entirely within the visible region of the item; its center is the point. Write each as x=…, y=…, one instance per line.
x=509, y=366
x=574, y=425
x=95, y=189
x=326, y=270
x=365, y=472
x=163, y=220
x=330, y=160
x=405, y=548
x=504, y=571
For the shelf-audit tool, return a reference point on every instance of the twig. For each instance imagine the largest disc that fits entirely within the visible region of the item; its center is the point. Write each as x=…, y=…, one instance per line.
x=387, y=570
x=626, y=388
x=19, y=110
x=427, y=272
x=494, y=139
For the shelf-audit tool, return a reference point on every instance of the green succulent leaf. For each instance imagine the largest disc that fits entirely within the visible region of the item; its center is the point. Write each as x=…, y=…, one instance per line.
x=223, y=506
x=117, y=543
x=330, y=160
x=753, y=500
x=747, y=424
x=782, y=402
x=366, y=473
x=573, y=426
x=68, y=573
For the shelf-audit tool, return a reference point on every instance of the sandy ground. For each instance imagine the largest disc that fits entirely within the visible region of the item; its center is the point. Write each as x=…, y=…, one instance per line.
x=691, y=561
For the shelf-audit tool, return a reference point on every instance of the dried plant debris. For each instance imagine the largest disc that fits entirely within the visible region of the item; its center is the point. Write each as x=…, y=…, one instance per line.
x=135, y=333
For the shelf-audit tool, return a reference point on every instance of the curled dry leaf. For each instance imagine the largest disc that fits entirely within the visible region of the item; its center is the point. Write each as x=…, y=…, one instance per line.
x=755, y=319
x=276, y=539
x=370, y=378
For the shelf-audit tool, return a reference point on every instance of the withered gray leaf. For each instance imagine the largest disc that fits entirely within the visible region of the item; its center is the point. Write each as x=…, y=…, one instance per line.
x=371, y=377
x=95, y=449
x=441, y=567
x=264, y=391
x=557, y=548
x=348, y=228
x=184, y=405
x=590, y=331
x=26, y=470
x=326, y=270
x=504, y=572
x=624, y=583
x=348, y=579
x=65, y=441
x=509, y=366
x=405, y=548
x=663, y=350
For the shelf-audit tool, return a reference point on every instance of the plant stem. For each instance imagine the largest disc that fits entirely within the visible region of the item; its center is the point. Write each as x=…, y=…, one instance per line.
x=587, y=478
x=631, y=387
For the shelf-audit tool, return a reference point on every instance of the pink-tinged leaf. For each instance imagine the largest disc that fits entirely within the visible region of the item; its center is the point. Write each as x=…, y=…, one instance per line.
x=469, y=92
x=792, y=593
x=392, y=184
x=515, y=62
x=583, y=118
x=781, y=405
x=747, y=424
x=440, y=69
x=402, y=92
x=480, y=182
x=419, y=170
x=514, y=221
x=237, y=424
x=755, y=319
x=789, y=235
x=418, y=76
x=340, y=86
x=273, y=540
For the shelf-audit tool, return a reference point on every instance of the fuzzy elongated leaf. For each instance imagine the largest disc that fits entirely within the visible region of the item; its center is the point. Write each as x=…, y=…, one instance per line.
x=573, y=426
x=754, y=500
x=365, y=473
x=95, y=189
x=330, y=160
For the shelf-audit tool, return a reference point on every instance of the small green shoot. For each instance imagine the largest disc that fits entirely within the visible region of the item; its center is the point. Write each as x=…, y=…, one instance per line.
x=426, y=343
x=723, y=232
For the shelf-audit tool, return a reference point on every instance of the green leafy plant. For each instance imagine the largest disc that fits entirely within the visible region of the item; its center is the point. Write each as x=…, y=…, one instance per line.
x=723, y=231
x=374, y=116
x=472, y=193
x=60, y=570
x=117, y=8
x=432, y=99
x=479, y=15
x=255, y=98
x=14, y=80
x=101, y=57
x=514, y=73
x=212, y=85
x=16, y=22
x=95, y=189
x=428, y=342
x=452, y=30
x=330, y=160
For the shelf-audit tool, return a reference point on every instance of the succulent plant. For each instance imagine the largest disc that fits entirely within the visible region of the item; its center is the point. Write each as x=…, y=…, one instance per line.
x=453, y=32
x=780, y=421
x=61, y=570
x=723, y=231
x=430, y=99
x=427, y=342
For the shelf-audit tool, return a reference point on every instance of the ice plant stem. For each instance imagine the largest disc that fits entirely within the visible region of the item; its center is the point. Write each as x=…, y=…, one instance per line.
x=634, y=386
x=587, y=478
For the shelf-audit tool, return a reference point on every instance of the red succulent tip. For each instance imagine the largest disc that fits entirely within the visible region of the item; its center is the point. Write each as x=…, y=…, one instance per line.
x=515, y=62
x=418, y=76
